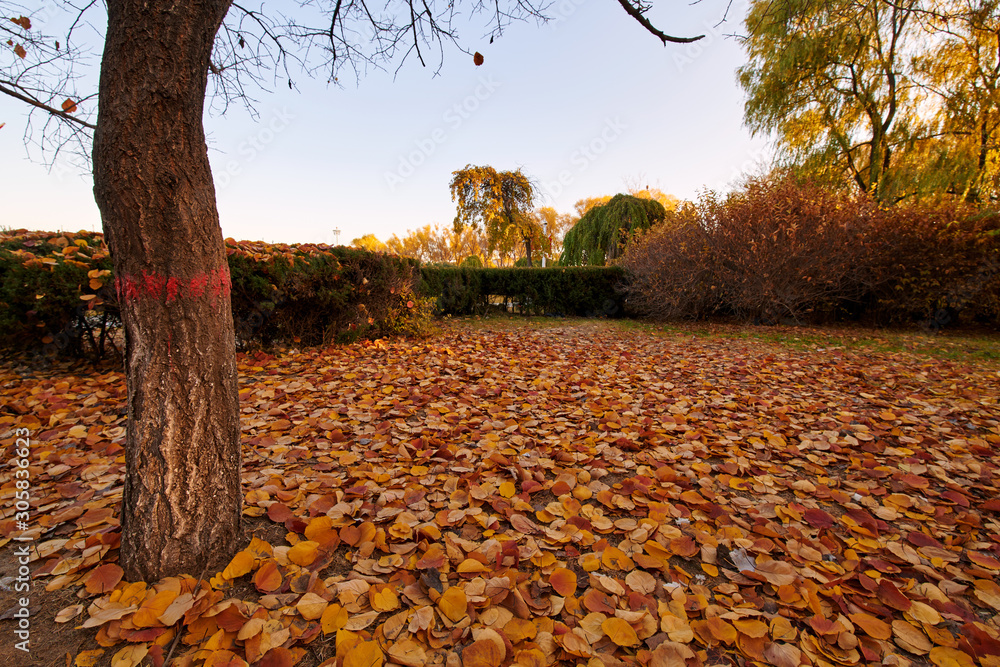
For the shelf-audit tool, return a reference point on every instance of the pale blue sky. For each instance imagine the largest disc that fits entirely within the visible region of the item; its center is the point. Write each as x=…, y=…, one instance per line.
x=585, y=105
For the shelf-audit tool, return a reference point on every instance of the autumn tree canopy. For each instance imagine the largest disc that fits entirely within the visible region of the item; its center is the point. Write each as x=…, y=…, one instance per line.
x=901, y=99
x=500, y=202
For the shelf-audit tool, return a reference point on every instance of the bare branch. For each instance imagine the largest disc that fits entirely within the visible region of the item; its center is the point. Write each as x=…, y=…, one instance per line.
x=638, y=11
x=45, y=107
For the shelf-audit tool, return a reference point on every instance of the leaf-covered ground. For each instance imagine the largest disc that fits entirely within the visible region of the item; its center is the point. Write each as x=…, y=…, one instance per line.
x=580, y=494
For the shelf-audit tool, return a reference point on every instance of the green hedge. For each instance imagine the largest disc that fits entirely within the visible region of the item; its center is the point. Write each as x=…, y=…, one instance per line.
x=57, y=294
x=579, y=291
x=313, y=294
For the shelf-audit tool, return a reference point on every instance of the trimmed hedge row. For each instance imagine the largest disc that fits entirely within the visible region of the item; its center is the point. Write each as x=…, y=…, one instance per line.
x=580, y=291
x=57, y=294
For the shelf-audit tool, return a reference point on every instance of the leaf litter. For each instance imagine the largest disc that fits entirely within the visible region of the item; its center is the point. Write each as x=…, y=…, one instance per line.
x=565, y=495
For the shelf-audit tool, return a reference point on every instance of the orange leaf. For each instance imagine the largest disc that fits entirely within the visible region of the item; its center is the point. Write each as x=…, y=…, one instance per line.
x=321, y=531
x=268, y=577
x=334, y=618
x=311, y=606
x=69, y=106
x=782, y=655
x=103, y=579
x=721, y=630
x=777, y=572
x=615, y=559
x=482, y=653
x=563, y=581
x=224, y=658
x=751, y=627
x=873, y=627
x=278, y=657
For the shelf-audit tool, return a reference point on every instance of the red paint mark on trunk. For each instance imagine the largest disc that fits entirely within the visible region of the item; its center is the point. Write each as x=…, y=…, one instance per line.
x=215, y=283
x=173, y=287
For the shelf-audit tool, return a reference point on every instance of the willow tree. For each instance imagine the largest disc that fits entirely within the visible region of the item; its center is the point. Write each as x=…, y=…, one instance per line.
x=500, y=202
x=604, y=230
x=153, y=184
x=900, y=96
x=961, y=68
x=828, y=76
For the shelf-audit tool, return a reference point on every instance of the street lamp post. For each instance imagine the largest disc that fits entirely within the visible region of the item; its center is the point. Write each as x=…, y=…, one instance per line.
x=545, y=232
x=336, y=236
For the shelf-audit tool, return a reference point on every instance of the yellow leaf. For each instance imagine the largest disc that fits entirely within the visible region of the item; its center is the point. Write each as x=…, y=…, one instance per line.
x=943, y=656
x=304, y=553
x=242, y=563
x=130, y=656
x=88, y=658
x=149, y=612
x=620, y=631
x=383, y=598
x=507, y=489
x=364, y=654
x=453, y=604
x=334, y=618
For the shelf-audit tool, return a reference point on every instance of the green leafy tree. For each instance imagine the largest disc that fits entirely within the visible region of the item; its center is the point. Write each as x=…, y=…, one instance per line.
x=500, y=202
x=603, y=232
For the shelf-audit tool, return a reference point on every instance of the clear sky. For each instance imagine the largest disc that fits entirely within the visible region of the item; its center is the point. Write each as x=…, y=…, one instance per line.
x=586, y=105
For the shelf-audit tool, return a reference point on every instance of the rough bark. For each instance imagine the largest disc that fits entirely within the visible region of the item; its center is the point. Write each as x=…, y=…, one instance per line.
x=153, y=184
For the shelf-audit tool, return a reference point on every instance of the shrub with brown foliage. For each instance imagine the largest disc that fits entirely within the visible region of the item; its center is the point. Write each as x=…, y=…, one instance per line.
x=773, y=250
x=779, y=249
x=941, y=265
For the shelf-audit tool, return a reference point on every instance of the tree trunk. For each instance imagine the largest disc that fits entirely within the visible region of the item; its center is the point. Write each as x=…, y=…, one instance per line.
x=527, y=250
x=153, y=184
